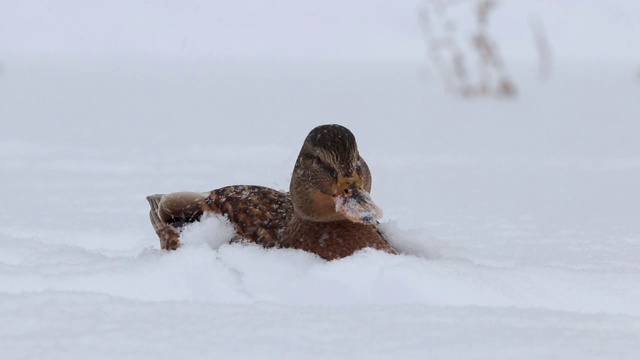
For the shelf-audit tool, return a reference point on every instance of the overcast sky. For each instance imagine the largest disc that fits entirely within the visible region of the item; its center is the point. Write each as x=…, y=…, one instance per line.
x=301, y=29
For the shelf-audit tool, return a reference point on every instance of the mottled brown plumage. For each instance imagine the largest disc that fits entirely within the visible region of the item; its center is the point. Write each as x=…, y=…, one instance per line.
x=259, y=214
x=327, y=211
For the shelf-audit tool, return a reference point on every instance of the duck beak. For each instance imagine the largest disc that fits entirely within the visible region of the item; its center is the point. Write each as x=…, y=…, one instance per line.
x=355, y=203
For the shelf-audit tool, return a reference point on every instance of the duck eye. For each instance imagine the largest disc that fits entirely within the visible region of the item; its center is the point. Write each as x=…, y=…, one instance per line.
x=318, y=159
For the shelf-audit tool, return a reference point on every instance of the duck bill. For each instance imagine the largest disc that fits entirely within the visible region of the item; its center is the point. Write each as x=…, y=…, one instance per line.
x=358, y=207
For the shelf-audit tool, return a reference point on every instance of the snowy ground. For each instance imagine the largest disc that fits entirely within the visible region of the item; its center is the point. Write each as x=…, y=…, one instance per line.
x=517, y=220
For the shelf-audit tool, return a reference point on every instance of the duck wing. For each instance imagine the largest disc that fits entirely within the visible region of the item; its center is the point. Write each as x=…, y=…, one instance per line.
x=258, y=213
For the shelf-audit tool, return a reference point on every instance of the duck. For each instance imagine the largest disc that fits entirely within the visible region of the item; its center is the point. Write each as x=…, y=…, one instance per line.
x=327, y=211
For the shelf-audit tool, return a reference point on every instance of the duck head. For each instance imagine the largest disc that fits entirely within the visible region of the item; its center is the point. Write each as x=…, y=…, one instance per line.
x=331, y=181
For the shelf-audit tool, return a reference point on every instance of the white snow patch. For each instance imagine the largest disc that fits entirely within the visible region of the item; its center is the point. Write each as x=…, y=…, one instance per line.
x=516, y=221
x=212, y=230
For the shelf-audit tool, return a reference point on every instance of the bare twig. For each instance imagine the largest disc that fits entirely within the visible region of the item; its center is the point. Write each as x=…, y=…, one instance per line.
x=469, y=64
x=543, y=48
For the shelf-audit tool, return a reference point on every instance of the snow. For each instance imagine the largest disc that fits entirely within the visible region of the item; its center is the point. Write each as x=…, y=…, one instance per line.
x=362, y=209
x=516, y=220
x=509, y=248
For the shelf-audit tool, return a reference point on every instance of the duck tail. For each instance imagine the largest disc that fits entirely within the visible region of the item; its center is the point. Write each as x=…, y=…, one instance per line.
x=176, y=209
x=156, y=221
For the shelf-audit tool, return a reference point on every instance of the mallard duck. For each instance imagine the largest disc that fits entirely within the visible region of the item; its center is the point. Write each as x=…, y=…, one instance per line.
x=328, y=210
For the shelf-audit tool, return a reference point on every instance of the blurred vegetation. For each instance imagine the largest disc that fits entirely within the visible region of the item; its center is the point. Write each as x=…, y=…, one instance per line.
x=465, y=54
x=468, y=61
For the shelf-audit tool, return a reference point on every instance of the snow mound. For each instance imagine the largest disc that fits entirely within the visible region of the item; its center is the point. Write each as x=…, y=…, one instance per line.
x=207, y=268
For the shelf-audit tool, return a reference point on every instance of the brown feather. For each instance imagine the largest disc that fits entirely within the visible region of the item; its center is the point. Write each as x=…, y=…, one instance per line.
x=258, y=213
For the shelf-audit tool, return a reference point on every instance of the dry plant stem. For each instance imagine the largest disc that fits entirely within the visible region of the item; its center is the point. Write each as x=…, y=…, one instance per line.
x=543, y=48
x=470, y=65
